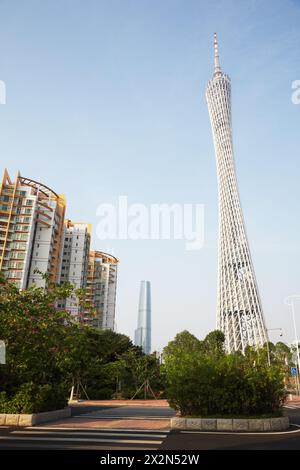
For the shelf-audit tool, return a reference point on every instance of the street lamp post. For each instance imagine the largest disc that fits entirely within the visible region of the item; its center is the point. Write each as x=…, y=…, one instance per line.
x=268, y=349
x=290, y=300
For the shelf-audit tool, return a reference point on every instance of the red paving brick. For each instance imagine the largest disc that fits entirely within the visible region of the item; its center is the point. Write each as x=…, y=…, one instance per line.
x=112, y=423
x=293, y=398
x=155, y=403
x=115, y=423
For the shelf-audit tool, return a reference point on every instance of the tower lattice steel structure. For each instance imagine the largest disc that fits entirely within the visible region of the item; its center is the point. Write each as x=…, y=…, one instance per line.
x=239, y=310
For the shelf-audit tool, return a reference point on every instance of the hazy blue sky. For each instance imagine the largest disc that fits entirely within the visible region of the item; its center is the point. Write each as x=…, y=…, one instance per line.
x=107, y=98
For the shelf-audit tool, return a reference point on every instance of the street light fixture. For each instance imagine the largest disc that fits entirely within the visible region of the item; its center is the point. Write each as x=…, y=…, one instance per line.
x=290, y=300
x=268, y=349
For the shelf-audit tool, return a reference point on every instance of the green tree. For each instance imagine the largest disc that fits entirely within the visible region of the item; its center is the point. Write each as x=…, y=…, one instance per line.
x=207, y=382
x=214, y=343
x=183, y=342
x=47, y=350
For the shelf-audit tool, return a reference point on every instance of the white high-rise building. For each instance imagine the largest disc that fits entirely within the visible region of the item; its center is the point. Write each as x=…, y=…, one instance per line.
x=74, y=262
x=101, y=289
x=239, y=310
x=31, y=225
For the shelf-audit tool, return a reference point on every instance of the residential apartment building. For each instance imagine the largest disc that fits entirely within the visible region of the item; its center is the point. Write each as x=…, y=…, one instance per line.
x=74, y=261
x=35, y=239
x=31, y=227
x=101, y=289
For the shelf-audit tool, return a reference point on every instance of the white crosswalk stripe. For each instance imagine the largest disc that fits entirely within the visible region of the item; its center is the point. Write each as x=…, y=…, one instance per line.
x=293, y=406
x=59, y=438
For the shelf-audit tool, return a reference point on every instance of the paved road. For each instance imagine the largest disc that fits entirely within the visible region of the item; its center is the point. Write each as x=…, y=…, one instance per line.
x=186, y=440
x=118, y=416
x=45, y=437
x=122, y=412
x=138, y=428
x=191, y=440
x=94, y=426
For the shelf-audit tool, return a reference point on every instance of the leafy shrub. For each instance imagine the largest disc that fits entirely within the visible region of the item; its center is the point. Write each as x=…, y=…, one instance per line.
x=200, y=383
x=32, y=398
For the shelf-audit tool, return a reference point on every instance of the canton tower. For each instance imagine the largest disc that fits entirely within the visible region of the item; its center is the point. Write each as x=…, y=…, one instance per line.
x=239, y=309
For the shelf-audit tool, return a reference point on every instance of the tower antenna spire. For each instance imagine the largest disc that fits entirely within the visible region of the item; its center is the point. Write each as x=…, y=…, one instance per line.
x=217, y=62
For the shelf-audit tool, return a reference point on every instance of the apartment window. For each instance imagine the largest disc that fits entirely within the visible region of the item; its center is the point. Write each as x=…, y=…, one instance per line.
x=37, y=253
x=8, y=191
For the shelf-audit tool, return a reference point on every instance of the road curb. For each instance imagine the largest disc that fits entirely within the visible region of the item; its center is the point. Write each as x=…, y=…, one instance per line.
x=235, y=425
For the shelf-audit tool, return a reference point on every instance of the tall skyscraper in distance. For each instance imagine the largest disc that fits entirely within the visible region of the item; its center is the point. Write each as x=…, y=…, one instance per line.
x=239, y=309
x=143, y=331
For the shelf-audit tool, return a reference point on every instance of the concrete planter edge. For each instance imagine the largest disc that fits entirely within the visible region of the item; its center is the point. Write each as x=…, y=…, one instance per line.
x=21, y=420
x=231, y=425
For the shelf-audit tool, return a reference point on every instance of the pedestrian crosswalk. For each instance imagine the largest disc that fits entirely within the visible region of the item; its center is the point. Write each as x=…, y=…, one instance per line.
x=44, y=437
x=120, y=417
x=292, y=406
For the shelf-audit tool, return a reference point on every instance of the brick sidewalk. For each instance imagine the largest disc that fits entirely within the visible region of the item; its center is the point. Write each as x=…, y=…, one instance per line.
x=155, y=403
x=142, y=424
x=293, y=398
x=94, y=422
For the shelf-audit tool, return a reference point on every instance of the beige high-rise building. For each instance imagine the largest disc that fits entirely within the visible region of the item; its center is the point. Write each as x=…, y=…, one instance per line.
x=35, y=239
x=74, y=261
x=101, y=289
x=31, y=227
